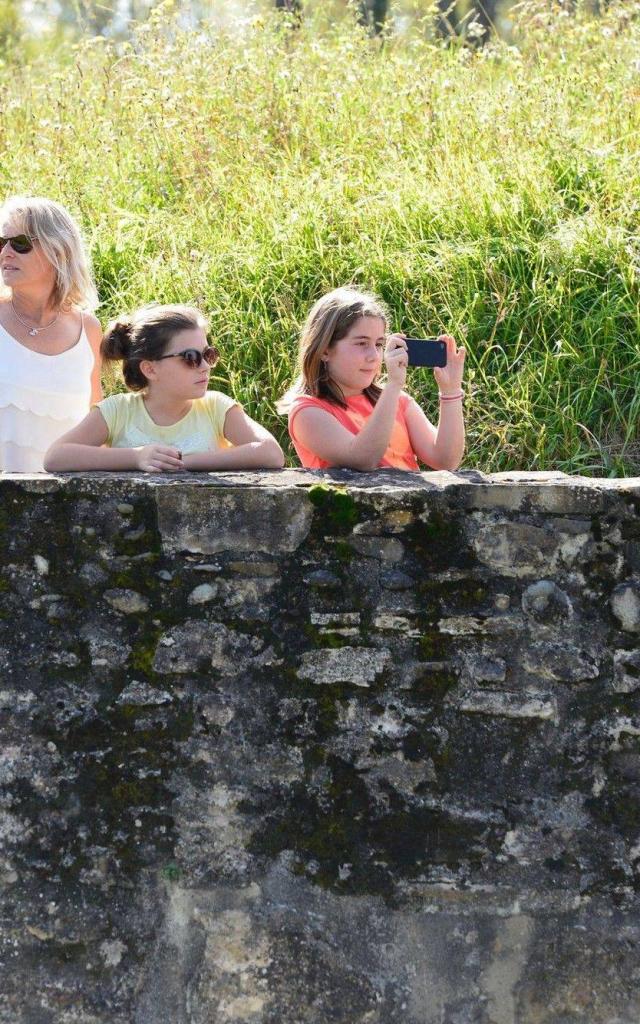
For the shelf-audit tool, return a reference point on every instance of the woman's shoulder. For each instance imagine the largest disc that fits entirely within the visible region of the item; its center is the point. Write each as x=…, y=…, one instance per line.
x=79, y=315
x=93, y=328
x=78, y=319
x=5, y=307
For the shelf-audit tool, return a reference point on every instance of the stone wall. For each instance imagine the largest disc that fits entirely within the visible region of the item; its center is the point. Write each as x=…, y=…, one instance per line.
x=303, y=748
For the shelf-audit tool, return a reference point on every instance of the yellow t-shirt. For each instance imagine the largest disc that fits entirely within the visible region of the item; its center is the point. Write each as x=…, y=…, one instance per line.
x=130, y=425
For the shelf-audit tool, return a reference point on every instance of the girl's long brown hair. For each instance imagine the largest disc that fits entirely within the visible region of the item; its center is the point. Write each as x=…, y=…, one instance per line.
x=330, y=319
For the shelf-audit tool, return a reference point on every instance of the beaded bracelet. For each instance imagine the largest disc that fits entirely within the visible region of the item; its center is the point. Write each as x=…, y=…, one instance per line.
x=451, y=398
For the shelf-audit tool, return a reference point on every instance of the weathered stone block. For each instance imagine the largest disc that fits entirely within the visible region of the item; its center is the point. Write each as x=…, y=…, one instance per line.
x=546, y=603
x=625, y=604
x=562, y=662
x=396, y=580
x=196, y=644
x=141, y=695
x=129, y=602
x=358, y=666
x=208, y=520
x=626, y=671
x=509, y=705
x=522, y=549
x=202, y=593
x=483, y=669
x=387, y=549
x=322, y=578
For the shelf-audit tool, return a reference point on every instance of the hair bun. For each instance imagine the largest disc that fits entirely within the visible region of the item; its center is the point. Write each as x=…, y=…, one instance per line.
x=116, y=343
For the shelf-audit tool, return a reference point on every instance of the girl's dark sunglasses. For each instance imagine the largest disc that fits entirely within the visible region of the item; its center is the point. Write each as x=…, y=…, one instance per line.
x=19, y=243
x=193, y=356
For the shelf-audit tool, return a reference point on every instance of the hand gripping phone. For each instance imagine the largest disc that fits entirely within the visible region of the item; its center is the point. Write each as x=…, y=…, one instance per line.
x=426, y=351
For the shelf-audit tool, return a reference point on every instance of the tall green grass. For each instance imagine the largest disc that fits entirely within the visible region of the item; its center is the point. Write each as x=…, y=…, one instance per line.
x=494, y=194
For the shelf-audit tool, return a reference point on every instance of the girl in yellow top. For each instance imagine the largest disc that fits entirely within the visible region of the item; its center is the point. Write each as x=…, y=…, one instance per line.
x=170, y=421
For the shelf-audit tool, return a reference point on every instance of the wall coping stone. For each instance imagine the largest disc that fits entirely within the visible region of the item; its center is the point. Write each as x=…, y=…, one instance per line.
x=387, y=479
x=516, y=490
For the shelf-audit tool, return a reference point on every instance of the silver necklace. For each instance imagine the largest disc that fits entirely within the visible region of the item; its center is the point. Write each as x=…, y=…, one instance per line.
x=33, y=331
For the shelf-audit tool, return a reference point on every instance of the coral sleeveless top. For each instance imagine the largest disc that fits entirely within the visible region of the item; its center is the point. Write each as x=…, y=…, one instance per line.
x=41, y=397
x=399, y=454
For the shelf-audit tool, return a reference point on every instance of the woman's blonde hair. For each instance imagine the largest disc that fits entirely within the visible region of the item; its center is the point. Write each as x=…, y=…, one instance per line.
x=50, y=224
x=330, y=319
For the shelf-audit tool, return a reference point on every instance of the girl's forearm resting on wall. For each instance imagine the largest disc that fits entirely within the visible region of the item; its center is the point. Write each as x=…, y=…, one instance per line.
x=68, y=457
x=264, y=454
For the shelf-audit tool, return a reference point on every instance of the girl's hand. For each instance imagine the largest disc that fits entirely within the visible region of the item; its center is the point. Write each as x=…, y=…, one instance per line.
x=449, y=377
x=396, y=359
x=158, y=458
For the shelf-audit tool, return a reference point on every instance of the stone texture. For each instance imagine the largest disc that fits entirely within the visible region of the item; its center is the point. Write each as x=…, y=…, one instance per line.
x=625, y=604
x=139, y=694
x=385, y=768
x=523, y=549
x=546, y=603
x=387, y=549
x=358, y=666
x=626, y=673
x=130, y=602
x=483, y=669
x=202, y=593
x=560, y=661
x=197, y=643
x=510, y=705
x=189, y=520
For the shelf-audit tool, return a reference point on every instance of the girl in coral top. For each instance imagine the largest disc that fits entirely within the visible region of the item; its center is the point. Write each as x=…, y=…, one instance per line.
x=340, y=417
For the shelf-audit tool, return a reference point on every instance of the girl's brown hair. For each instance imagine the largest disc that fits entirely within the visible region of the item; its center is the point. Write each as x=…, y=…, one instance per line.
x=330, y=320
x=145, y=335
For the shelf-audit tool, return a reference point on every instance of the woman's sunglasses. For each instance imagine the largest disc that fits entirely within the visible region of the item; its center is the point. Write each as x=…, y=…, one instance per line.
x=19, y=243
x=193, y=356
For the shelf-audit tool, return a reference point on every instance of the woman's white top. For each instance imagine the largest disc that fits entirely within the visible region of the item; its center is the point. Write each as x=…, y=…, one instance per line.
x=41, y=397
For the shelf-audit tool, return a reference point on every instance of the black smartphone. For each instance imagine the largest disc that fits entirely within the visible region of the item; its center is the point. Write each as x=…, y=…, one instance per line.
x=426, y=351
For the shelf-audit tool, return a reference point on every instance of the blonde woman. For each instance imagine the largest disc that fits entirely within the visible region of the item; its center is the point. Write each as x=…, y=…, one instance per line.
x=49, y=341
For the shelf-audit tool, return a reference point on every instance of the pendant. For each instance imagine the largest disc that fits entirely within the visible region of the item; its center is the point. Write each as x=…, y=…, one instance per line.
x=33, y=332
